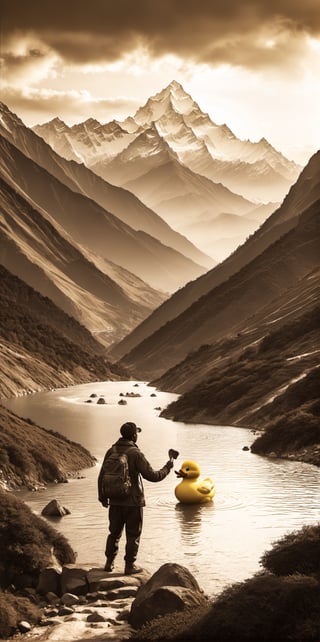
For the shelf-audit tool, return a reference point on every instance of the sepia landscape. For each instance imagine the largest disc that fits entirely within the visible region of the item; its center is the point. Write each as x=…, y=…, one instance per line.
x=147, y=242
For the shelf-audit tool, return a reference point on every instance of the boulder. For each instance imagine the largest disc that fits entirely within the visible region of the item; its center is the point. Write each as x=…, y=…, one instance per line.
x=74, y=579
x=49, y=581
x=54, y=509
x=171, y=588
x=98, y=579
x=69, y=599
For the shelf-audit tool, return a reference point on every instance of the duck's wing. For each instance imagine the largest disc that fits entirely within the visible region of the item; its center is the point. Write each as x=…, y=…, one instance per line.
x=206, y=486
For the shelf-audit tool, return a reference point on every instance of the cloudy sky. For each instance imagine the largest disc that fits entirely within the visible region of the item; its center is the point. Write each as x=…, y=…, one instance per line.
x=252, y=64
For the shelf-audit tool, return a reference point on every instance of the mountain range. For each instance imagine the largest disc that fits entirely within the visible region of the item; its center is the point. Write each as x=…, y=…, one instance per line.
x=107, y=267
x=192, y=172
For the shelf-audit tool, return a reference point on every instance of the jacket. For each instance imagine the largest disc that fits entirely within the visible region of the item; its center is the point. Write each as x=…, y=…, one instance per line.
x=139, y=468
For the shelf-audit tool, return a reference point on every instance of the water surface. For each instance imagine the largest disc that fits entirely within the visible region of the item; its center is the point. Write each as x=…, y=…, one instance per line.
x=257, y=499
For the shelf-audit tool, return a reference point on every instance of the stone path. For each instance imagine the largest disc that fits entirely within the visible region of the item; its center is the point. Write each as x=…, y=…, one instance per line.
x=78, y=614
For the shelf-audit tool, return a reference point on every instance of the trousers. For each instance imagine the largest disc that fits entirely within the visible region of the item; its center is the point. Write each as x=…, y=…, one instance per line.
x=130, y=518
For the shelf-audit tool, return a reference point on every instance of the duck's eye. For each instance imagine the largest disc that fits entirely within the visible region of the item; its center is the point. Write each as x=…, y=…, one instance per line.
x=187, y=468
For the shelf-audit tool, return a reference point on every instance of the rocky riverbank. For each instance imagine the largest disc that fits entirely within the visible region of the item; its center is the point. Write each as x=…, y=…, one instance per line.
x=83, y=602
x=92, y=604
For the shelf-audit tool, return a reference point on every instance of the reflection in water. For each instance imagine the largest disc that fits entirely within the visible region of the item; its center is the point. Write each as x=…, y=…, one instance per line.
x=189, y=518
x=257, y=500
x=193, y=519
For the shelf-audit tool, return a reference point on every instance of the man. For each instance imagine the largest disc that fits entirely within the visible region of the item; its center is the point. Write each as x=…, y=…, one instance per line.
x=127, y=512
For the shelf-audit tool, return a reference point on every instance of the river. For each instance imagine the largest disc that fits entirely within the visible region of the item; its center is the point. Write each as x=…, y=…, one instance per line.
x=257, y=499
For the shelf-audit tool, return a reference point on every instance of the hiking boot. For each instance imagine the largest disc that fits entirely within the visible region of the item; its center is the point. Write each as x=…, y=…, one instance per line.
x=109, y=566
x=131, y=569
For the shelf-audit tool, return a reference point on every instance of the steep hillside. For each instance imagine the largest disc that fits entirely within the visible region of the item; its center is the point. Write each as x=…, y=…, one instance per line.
x=124, y=205
x=281, y=311
x=42, y=347
x=226, y=307
x=91, y=226
x=270, y=383
x=108, y=300
x=31, y=456
x=305, y=192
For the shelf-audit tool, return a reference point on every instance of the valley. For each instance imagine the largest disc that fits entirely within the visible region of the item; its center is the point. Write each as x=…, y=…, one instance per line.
x=110, y=230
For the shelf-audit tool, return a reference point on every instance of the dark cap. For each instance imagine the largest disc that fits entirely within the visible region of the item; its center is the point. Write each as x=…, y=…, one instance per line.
x=129, y=429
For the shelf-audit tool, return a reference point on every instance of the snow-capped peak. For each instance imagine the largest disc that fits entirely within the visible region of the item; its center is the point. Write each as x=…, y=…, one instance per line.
x=171, y=98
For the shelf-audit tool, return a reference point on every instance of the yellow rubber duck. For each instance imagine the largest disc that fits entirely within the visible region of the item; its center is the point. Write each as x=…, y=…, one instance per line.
x=191, y=490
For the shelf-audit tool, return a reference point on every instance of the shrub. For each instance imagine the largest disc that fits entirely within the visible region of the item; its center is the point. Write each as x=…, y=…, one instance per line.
x=263, y=608
x=297, y=429
x=297, y=552
x=13, y=609
x=168, y=627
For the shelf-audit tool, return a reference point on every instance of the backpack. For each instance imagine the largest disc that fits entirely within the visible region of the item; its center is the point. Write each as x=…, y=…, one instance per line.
x=115, y=478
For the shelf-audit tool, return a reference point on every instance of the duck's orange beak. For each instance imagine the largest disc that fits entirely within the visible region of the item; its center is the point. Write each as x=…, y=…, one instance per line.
x=180, y=473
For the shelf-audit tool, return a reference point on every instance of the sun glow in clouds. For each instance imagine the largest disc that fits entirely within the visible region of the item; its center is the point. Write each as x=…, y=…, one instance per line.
x=270, y=44
x=257, y=71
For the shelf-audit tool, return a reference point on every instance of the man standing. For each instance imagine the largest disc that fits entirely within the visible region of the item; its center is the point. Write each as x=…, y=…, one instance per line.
x=127, y=512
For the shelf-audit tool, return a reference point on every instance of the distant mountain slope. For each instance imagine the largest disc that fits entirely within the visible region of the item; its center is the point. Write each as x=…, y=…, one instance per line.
x=93, y=227
x=305, y=192
x=163, y=186
x=41, y=347
x=224, y=308
x=105, y=298
x=273, y=384
x=278, y=316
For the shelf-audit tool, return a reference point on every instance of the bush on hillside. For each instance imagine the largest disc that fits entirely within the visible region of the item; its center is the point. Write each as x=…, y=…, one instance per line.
x=263, y=608
x=14, y=609
x=27, y=543
x=297, y=552
x=292, y=331
x=297, y=429
x=168, y=627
